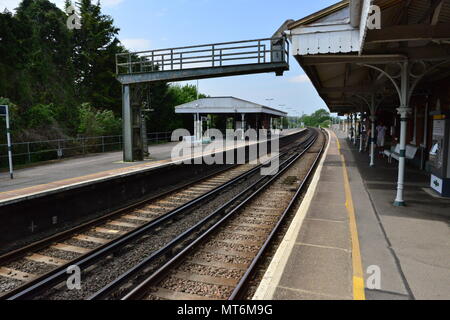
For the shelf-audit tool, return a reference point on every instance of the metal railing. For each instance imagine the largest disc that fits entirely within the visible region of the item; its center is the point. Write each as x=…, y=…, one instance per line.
x=270, y=50
x=35, y=151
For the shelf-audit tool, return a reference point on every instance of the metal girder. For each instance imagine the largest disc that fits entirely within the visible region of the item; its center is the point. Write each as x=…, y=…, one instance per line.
x=203, y=73
x=417, y=32
x=344, y=59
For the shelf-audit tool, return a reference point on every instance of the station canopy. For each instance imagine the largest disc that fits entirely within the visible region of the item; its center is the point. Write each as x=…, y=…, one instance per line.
x=226, y=105
x=347, y=58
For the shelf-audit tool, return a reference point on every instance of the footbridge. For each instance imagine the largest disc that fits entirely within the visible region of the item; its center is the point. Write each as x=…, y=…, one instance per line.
x=189, y=63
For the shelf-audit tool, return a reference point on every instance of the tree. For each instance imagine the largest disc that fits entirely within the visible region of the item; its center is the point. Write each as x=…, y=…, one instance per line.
x=95, y=46
x=58, y=80
x=320, y=118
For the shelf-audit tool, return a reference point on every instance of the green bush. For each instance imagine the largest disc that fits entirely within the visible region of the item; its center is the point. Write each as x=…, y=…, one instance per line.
x=40, y=116
x=98, y=122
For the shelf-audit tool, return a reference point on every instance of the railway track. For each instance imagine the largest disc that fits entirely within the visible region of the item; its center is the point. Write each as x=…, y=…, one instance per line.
x=26, y=272
x=220, y=263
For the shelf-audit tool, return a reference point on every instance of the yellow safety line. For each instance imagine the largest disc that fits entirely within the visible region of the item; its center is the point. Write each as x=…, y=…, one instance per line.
x=358, y=275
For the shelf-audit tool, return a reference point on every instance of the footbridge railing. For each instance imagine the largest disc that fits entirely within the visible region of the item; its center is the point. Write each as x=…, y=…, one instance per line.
x=249, y=52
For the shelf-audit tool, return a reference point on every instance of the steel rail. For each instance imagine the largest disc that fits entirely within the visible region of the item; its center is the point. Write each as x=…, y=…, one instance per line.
x=141, y=289
x=37, y=285
x=168, y=248
x=169, y=53
x=239, y=290
x=184, y=60
x=41, y=244
x=86, y=260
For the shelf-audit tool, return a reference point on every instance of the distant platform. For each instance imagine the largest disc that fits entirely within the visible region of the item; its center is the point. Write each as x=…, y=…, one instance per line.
x=75, y=171
x=347, y=227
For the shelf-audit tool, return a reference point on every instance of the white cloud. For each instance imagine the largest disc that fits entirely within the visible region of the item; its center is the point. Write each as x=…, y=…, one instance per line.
x=136, y=44
x=12, y=4
x=303, y=78
x=111, y=3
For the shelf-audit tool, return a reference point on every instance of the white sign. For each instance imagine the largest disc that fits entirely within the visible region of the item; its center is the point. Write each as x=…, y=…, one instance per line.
x=439, y=128
x=436, y=184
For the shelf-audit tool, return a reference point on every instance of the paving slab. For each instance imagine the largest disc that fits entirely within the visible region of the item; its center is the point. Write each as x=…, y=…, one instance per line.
x=410, y=245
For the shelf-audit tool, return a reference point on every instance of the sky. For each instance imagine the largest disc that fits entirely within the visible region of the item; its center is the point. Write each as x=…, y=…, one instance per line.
x=159, y=24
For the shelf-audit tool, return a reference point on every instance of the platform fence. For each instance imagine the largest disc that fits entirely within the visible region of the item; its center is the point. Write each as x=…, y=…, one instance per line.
x=36, y=151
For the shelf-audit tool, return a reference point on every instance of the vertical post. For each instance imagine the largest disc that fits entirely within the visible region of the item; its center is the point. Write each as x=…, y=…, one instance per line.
x=350, y=124
x=28, y=151
x=347, y=125
x=425, y=135
x=103, y=144
x=259, y=51
x=127, y=125
x=213, y=55
x=403, y=111
x=8, y=137
x=372, y=137
x=199, y=126
x=373, y=118
x=144, y=134
x=360, y=132
x=243, y=126
x=130, y=65
x=59, y=149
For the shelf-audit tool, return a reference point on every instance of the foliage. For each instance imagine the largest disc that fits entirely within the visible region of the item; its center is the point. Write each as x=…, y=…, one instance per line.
x=61, y=83
x=98, y=122
x=320, y=118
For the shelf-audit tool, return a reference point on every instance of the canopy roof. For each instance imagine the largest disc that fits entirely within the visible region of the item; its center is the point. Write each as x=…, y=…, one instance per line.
x=335, y=46
x=226, y=105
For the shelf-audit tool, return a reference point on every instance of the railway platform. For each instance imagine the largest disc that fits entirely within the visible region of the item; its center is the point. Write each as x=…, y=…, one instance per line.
x=348, y=241
x=59, y=175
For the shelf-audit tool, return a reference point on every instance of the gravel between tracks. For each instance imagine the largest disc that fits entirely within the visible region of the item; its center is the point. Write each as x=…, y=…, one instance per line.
x=133, y=252
x=136, y=251
x=249, y=215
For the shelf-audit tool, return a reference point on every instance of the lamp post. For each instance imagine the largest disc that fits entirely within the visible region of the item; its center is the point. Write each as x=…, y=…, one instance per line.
x=4, y=112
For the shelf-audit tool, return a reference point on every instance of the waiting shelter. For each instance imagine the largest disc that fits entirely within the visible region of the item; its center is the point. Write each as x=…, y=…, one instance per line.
x=242, y=114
